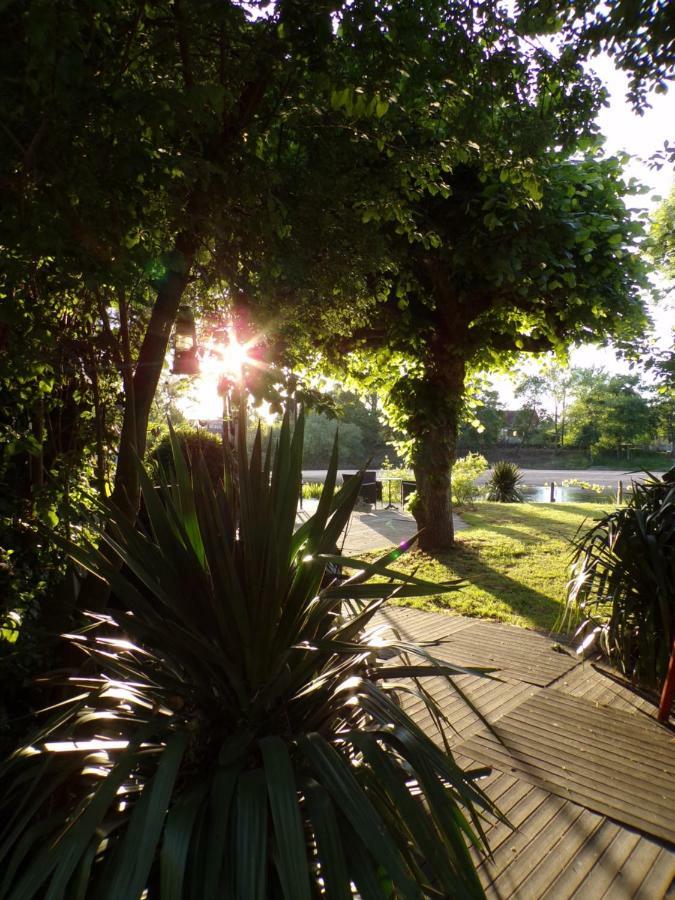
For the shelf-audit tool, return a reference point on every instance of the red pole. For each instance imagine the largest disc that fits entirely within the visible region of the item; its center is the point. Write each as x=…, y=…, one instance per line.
x=668, y=691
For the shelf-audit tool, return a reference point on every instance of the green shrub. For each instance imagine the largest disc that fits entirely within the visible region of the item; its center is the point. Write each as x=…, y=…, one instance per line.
x=195, y=443
x=312, y=490
x=504, y=482
x=623, y=581
x=465, y=472
x=411, y=502
x=237, y=721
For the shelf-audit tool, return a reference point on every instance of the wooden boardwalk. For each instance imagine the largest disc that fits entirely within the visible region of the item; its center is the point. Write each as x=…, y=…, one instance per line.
x=580, y=767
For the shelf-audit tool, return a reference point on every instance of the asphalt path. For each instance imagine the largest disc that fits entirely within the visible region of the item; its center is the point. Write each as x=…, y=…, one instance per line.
x=535, y=477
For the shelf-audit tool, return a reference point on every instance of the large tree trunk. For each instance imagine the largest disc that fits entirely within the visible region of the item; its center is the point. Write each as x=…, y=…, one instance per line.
x=435, y=428
x=432, y=462
x=139, y=394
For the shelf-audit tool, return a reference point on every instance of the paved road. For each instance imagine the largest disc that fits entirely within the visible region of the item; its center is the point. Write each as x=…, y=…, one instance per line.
x=605, y=477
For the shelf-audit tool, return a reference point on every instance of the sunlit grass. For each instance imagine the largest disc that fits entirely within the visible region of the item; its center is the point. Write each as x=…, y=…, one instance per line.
x=514, y=559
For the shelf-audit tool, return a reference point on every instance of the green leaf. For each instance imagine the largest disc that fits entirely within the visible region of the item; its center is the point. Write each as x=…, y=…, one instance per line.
x=251, y=836
x=137, y=853
x=333, y=772
x=331, y=855
x=288, y=829
x=178, y=835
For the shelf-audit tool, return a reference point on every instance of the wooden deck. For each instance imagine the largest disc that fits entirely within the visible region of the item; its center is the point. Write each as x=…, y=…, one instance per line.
x=580, y=767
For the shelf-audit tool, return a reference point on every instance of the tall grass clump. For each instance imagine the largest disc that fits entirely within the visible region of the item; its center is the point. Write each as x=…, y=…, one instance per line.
x=623, y=581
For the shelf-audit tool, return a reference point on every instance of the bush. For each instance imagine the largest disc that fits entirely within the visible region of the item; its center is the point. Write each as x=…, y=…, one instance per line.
x=465, y=471
x=312, y=490
x=194, y=442
x=237, y=729
x=503, y=484
x=623, y=581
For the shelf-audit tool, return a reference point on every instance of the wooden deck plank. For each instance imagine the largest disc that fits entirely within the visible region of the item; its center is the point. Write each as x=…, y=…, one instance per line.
x=631, y=875
x=573, y=872
x=644, y=772
x=632, y=779
x=597, y=683
x=578, y=730
x=513, y=851
x=516, y=652
x=491, y=698
x=526, y=657
x=417, y=624
x=564, y=835
x=660, y=878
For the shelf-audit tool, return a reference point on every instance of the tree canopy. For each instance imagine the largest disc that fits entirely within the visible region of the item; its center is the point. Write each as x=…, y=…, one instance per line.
x=498, y=227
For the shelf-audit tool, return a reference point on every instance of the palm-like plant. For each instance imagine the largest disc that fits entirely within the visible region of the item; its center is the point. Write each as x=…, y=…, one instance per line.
x=237, y=733
x=623, y=581
x=504, y=483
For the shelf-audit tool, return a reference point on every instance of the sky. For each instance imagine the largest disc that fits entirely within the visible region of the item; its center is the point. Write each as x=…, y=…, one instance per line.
x=640, y=136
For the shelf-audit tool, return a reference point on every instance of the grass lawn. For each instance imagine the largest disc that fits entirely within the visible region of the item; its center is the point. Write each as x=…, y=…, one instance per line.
x=514, y=559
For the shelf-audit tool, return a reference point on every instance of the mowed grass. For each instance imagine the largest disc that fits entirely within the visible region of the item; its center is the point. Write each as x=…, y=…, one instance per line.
x=514, y=560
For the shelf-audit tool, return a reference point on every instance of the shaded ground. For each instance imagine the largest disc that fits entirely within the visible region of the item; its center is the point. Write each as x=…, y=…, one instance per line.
x=375, y=529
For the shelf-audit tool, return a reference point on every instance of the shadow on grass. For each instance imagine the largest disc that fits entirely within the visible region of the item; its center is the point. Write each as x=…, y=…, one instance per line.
x=465, y=562
x=526, y=537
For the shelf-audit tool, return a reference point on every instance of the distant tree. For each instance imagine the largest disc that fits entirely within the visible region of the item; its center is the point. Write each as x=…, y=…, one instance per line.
x=483, y=422
x=660, y=366
x=319, y=437
x=609, y=414
x=548, y=392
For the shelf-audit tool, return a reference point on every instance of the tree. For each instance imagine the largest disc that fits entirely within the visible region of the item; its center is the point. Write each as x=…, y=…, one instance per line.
x=548, y=390
x=131, y=194
x=320, y=437
x=512, y=272
x=610, y=414
x=137, y=171
x=484, y=420
x=661, y=366
x=640, y=37
x=494, y=232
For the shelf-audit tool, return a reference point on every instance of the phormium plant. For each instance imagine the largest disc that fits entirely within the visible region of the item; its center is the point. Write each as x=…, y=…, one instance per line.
x=236, y=731
x=504, y=483
x=623, y=581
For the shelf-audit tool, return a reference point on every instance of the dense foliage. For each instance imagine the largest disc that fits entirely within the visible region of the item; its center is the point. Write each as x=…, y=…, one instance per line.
x=236, y=731
x=196, y=444
x=623, y=581
x=609, y=413
x=465, y=473
x=509, y=233
x=362, y=435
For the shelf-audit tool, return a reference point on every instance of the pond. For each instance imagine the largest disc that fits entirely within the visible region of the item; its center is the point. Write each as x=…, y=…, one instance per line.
x=535, y=494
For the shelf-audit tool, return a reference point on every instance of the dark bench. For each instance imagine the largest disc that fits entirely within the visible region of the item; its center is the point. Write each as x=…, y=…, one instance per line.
x=407, y=488
x=371, y=488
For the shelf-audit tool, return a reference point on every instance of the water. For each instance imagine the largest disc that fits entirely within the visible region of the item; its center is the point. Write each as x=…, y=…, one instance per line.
x=536, y=494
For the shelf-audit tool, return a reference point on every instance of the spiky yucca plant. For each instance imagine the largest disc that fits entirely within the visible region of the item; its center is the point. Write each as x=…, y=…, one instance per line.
x=623, y=581
x=504, y=483
x=236, y=731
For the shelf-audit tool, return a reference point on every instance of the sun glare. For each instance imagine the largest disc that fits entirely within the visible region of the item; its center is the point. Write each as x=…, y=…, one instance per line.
x=233, y=356
x=219, y=359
